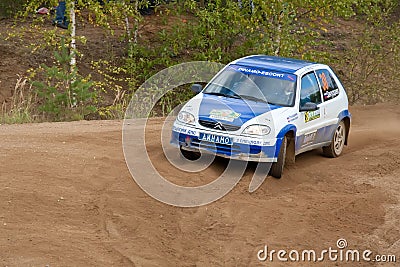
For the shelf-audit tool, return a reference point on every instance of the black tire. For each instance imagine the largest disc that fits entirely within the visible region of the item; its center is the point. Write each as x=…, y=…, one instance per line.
x=335, y=148
x=277, y=167
x=190, y=155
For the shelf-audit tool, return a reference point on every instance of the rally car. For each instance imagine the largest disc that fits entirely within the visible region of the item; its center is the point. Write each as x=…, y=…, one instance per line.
x=265, y=109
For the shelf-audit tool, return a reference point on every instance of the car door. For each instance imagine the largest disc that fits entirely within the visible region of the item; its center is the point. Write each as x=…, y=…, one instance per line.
x=330, y=109
x=310, y=121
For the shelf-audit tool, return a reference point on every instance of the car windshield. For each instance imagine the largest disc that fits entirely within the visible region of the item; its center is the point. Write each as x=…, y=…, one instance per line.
x=254, y=84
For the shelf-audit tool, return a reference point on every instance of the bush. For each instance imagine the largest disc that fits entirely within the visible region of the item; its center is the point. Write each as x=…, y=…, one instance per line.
x=63, y=93
x=8, y=8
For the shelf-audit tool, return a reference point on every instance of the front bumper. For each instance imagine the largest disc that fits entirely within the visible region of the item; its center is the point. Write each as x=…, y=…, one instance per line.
x=242, y=148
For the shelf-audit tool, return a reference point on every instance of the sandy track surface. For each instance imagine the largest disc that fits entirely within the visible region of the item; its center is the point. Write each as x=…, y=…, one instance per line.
x=67, y=199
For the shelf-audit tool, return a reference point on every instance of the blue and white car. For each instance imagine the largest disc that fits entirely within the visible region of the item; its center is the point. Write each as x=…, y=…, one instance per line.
x=265, y=109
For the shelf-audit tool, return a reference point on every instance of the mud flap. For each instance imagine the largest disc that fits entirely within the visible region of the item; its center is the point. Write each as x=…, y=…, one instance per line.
x=290, y=152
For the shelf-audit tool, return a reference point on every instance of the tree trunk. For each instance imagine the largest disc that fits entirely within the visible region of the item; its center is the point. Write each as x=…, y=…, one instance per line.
x=73, y=36
x=73, y=51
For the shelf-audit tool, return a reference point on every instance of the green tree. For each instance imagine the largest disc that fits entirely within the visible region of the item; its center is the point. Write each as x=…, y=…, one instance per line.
x=62, y=92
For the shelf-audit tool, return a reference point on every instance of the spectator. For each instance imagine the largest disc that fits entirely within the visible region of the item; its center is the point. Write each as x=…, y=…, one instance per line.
x=61, y=20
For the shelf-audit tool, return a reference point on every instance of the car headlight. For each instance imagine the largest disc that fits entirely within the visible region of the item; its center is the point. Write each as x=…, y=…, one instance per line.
x=186, y=117
x=257, y=129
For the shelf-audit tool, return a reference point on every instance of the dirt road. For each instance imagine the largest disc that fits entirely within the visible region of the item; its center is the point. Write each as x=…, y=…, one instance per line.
x=67, y=199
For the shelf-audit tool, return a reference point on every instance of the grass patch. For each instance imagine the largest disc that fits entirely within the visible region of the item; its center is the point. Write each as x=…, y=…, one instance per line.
x=22, y=105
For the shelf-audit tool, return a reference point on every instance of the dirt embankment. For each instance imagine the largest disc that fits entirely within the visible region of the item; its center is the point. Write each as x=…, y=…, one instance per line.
x=67, y=199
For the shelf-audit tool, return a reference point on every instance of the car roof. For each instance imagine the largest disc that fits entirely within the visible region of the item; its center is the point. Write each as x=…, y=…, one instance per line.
x=288, y=65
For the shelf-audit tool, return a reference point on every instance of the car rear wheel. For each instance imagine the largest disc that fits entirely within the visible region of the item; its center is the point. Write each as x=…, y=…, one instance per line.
x=338, y=140
x=277, y=167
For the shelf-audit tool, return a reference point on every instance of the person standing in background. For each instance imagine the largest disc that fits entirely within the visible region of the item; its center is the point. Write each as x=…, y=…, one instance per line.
x=60, y=19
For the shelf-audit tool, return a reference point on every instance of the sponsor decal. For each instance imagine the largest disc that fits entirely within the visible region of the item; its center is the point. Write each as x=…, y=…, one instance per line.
x=267, y=73
x=331, y=94
x=312, y=115
x=251, y=142
x=308, y=138
x=178, y=129
x=224, y=114
x=189, y=108
x=292, y=117
x=215, y=138
x=184, y=131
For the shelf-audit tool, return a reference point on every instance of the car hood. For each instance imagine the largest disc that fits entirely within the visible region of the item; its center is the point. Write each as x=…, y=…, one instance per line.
x=234, y=111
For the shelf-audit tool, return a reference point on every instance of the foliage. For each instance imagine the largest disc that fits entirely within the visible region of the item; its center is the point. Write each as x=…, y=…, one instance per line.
x=370, y=69
x=9, y=7
x=22, y=104
x=221, y=31
x=225, y=30
x=64, y=94
x=112, y=84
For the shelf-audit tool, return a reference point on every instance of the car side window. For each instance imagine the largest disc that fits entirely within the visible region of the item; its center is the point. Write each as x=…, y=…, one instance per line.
x=309, y=91
x=329, y=87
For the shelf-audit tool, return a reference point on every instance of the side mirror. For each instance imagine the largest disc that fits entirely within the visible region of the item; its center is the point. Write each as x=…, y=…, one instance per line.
x=196, y=88
x=309, y=106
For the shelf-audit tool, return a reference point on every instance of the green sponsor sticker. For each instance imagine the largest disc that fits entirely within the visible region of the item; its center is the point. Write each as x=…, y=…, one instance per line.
x=224, y=114
x=312, y=115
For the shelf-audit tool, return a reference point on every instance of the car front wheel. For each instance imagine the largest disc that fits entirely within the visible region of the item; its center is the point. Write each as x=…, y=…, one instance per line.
x=277, y=167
